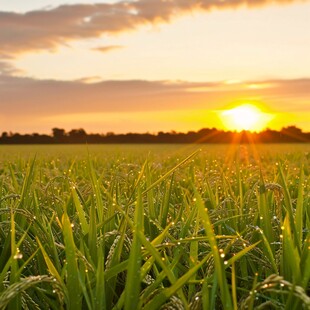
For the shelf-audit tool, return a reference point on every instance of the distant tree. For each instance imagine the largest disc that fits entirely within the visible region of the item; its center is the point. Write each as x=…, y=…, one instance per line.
x=293, y=130
x=205, y=135
x=77, y=135
x=59, y=135
x=292, y=134
x=4, y=135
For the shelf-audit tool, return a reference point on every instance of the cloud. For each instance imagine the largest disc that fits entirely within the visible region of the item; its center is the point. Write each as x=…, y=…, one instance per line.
x=50, y=28
x=108, y=48
x=26, y=97
x=8, y=69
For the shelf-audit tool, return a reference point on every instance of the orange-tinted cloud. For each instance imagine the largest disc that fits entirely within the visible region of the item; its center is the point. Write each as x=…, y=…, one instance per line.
x=48, y=29
x=8, y=69
x=108, y=48
x=29, y=97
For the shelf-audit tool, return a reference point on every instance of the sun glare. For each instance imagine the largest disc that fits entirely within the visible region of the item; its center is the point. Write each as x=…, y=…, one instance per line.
x=245, y=117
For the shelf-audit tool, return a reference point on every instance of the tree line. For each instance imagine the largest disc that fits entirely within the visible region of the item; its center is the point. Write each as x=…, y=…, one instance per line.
x=290, y=134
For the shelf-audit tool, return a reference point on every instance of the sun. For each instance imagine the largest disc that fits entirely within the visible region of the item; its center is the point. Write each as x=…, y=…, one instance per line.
x=245, y=117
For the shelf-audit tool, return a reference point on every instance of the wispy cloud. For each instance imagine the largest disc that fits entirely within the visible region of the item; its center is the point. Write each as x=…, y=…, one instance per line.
x=8, y=69
x=50, y=28
x=108, y=48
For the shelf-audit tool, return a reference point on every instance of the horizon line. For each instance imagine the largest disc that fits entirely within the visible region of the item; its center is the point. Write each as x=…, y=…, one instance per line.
x=172, y=131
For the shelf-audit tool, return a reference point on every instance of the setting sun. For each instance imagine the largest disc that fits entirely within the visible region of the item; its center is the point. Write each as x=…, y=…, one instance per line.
x=245, y=117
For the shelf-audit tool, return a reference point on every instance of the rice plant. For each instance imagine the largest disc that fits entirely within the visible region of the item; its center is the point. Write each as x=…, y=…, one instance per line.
x=153, y=227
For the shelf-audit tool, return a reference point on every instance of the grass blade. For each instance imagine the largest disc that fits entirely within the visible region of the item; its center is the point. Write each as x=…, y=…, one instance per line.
x=219, y=266
x=80, y=212
x=73, y=283
x=171, y=171
x=170, y=291
x=299, y=218
x=133, y=281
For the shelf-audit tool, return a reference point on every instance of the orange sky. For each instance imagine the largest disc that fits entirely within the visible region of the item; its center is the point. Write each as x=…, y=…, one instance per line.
x=151, y=65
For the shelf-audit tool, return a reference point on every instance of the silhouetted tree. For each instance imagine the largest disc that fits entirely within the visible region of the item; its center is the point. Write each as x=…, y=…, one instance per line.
x=59, y=135
x=4, y=137
x=78, y=135
x=206, y=135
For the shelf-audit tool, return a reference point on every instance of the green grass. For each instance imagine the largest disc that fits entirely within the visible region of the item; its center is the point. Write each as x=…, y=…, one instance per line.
x=155, y=227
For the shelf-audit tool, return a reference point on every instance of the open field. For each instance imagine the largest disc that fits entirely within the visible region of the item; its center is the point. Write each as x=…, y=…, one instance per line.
x=155, y=227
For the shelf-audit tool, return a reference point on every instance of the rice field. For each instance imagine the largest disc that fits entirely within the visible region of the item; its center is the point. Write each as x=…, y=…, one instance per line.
x=155, y=227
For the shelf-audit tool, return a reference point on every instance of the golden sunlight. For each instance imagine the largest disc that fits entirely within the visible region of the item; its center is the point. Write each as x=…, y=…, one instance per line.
x=245, y=117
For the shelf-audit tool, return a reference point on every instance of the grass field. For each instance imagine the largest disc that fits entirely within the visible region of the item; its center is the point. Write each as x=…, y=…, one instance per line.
x=155, y=227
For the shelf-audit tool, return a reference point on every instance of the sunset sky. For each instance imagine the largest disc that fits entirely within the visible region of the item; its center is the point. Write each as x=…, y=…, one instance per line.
x=152, y=65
